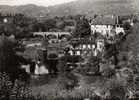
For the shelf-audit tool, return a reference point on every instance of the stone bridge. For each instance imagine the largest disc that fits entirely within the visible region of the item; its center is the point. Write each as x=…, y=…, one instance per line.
x=47, y=34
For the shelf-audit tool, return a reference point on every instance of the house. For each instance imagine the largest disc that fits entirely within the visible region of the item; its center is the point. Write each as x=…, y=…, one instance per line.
x=83, y=47
x=103, y=24
x=106, y=25
x=100, y=45
x=119, y=30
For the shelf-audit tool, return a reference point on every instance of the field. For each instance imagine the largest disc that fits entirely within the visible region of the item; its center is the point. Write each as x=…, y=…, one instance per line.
x=85, y=86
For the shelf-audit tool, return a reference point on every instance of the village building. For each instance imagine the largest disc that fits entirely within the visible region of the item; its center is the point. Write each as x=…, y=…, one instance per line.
x=107, y=26
x=87, y=46
x=100, y=44
x=83, y=47
x=102, y=25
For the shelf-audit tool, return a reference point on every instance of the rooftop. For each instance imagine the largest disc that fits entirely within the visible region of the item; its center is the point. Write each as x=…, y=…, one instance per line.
x=104, y=20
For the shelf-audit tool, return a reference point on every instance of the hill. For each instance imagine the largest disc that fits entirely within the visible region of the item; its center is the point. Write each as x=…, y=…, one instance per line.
x=88, y=7
x=29, y=10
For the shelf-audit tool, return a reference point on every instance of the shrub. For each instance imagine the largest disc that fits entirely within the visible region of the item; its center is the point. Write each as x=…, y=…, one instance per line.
x=12, y=91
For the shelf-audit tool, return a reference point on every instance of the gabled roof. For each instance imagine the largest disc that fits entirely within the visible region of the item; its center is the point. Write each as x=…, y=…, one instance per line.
x=104, y=20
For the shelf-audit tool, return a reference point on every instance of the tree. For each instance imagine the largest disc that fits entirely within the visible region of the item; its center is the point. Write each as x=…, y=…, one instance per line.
x=82, y=28
x=6, y=53
x=23, y=26
x=49, y=24
x=60, y=24
x=9, y=29
x=12, y=91
x=1, y=29
x=45, y=42
x=9, y=61
x=131, y=42
x=127, y=26
x=111, y=51
x=117, y=88
x=92, y=65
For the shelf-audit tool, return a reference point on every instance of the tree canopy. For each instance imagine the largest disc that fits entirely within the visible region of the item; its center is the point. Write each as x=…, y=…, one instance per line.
x=9, y=61
x=82, y=28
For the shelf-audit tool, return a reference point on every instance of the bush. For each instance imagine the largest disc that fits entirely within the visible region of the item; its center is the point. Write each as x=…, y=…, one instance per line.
x=9, y=60
x=117, y=88
x=68, y=81
x=12, y=91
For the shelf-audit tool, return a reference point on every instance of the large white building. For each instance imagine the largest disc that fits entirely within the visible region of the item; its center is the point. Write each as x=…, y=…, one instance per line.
x=106, y=26
x=86, y=47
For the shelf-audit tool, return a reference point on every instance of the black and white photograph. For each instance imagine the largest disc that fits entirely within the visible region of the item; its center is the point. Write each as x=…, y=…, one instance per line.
x=69, y=49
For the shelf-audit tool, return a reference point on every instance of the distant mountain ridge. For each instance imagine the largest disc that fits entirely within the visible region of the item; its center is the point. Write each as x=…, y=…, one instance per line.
x=88, y=7
x=29, y=10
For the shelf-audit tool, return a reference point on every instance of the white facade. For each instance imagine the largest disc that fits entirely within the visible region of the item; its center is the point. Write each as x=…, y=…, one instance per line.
x=78, y=53
x=119, y=30
x=40, y=70
x=71, y=52
x=33, y=44
x=82, y=49
x=107, y=30
x=103, y=29
x=26, y=67
x=100, y=45
x=95, y=52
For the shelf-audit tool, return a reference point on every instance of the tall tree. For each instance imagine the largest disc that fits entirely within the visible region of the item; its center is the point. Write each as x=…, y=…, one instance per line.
x=50, y=24
x=9, y=61
x=82, y=28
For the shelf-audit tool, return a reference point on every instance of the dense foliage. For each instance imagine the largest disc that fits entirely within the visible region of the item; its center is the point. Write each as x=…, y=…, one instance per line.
x=82, y=28
x=12, y=91
x=10, y=62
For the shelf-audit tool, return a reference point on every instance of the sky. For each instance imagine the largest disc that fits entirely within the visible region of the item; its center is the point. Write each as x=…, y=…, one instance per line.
x=37, y=2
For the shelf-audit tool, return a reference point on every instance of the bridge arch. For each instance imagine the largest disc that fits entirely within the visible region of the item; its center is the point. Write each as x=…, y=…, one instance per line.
x=57, y=34
x=51, y=36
